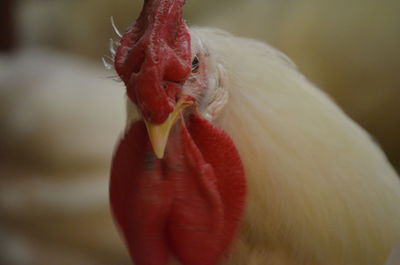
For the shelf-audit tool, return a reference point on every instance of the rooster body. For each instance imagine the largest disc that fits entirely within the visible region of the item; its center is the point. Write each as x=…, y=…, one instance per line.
x=319, y=190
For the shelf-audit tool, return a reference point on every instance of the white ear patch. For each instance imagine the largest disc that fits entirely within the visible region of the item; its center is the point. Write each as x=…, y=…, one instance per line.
x=217, y=98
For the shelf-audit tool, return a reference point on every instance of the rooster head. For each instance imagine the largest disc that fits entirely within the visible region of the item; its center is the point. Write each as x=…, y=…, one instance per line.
x=177, y=189
x=154, y=60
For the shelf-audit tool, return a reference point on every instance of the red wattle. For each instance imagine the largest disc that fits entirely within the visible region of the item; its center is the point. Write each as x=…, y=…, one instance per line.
x=187, y=205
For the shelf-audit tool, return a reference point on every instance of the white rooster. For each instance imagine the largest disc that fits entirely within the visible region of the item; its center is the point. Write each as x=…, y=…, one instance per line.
x=232, y=157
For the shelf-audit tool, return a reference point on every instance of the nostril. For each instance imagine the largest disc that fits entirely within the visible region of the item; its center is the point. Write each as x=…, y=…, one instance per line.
x=171, y=89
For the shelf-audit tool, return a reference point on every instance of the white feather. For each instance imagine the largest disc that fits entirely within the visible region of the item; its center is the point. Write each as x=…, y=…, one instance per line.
x=321, y=191
x=116, y=30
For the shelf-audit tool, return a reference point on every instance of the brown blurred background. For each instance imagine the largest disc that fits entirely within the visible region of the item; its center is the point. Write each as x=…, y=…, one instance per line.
x=61, y=114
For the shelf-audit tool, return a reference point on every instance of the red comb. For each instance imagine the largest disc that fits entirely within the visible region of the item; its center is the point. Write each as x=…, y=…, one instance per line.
x=154, y=58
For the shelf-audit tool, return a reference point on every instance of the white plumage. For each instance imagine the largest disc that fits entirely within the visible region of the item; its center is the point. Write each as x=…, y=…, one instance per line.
x=321, y=191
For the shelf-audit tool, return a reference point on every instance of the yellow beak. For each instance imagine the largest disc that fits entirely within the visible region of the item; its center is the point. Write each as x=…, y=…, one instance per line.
x=158, y=133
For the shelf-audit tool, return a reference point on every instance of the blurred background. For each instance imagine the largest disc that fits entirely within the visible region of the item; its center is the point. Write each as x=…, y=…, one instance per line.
x=61, y=111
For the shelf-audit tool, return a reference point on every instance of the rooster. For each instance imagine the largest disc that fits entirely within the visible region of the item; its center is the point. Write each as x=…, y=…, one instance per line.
x=231, y=156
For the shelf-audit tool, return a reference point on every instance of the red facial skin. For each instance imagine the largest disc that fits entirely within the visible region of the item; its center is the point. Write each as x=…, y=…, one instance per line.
x=154, y=58
x=189, y=204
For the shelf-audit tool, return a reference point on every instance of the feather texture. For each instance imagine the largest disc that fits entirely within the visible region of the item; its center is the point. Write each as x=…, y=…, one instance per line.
x=320, y=190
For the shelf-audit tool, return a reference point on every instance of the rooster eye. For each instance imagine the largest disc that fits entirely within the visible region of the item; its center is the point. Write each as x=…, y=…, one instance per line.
x=195, y=65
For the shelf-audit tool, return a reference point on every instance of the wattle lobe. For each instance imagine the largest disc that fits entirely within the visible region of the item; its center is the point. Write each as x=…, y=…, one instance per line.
x=187, y=205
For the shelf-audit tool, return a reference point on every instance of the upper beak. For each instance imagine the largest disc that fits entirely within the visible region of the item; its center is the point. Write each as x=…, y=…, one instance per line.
x=158, y=133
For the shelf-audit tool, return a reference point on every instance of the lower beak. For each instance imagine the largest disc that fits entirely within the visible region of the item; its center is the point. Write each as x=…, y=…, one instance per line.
x=158, y=133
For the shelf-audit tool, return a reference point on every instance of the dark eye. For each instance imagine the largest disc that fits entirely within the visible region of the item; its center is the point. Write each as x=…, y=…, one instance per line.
x=195, y=65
